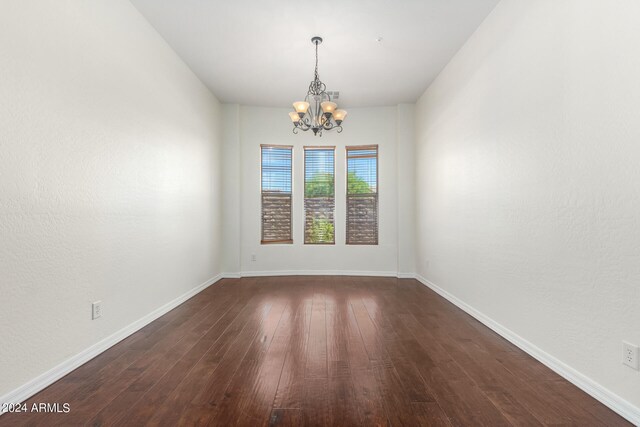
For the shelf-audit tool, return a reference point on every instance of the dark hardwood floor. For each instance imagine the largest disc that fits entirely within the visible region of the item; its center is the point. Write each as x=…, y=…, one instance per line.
x=330, y=351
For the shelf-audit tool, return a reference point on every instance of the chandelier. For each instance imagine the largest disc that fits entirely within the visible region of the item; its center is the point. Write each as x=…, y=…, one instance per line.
x=317, y=112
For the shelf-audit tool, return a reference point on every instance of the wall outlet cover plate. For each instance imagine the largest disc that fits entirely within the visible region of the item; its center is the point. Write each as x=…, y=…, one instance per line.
x=630, y=355
x=96, y=310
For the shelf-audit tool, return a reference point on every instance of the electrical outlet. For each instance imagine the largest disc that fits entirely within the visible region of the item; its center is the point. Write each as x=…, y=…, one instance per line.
x=96, y=310
x=630, y=355
x=253, y=257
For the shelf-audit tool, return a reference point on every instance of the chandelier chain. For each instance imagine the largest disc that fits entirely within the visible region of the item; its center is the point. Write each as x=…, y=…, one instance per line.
x=317, y=77
x=316, y=87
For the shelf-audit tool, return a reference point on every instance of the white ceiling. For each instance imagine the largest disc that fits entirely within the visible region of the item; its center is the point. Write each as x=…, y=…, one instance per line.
x=258, y=52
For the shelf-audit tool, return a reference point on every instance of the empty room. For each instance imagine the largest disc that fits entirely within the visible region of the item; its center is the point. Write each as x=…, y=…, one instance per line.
x=338, y=213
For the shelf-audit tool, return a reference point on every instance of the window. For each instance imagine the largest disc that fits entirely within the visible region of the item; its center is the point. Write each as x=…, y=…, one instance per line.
x=362, y=195
x=276, y=164
x=319, y=195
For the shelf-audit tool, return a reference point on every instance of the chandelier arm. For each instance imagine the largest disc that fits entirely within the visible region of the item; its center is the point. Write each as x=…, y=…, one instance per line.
x=304, y=126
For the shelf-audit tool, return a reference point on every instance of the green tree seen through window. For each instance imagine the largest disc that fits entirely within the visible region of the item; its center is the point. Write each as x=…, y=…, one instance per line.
x=357, y=185
x=321, y=185
x=322, y=231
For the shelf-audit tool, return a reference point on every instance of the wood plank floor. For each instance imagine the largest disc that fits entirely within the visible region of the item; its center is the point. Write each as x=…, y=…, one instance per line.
x=325, y=351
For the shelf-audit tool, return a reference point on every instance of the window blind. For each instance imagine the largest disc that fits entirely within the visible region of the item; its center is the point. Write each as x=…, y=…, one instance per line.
x=276, y=166
x=319, y=195
x=362, y=195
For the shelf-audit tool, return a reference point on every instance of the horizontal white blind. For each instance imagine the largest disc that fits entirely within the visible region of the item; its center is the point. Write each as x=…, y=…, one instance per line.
x=362, y=195
x=319, y=195
x=276, y=162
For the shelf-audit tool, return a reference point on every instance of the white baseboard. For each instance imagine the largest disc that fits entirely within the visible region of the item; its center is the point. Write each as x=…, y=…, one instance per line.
x=318, y=273
x=589, y=386
x=41, y=382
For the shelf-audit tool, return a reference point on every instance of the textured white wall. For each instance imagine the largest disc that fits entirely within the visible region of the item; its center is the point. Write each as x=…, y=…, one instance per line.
x=231, y=188
x=268, y=126
x=528, y=195
x=406, y=194
x=109, y=178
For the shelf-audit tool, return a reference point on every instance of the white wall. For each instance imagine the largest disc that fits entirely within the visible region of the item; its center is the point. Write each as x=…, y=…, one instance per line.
x=109, y=178
x=405, y=168
x=528, y=195
x=231, y=184
x=363, y=126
